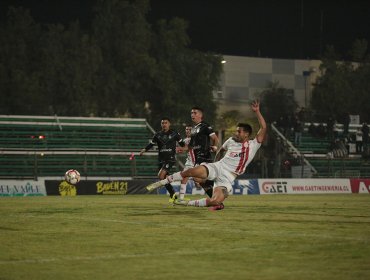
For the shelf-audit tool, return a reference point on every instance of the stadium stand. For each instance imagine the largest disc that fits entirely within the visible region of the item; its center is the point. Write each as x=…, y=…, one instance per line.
x=39, y=146
x=342, y=167
x=318, y=155
x=310, y=144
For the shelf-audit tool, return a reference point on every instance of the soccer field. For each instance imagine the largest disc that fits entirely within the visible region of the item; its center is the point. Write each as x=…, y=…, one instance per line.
x=141, y=237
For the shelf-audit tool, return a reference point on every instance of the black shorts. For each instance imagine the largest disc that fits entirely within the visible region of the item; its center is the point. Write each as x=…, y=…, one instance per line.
x=165, y=166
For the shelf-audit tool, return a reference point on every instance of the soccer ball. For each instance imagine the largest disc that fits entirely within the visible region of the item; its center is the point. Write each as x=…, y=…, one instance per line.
x=72, y=176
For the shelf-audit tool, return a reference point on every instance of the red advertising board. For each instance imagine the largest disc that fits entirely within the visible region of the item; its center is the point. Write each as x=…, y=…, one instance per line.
x=360, y=185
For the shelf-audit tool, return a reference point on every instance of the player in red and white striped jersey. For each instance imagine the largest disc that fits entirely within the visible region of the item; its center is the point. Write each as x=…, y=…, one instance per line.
x=238, y=151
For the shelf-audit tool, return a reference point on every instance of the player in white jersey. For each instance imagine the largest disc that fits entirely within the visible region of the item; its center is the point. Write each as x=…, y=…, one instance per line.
x=239, y=152
x=238, y=155
x=189, y=163
x=190, y=157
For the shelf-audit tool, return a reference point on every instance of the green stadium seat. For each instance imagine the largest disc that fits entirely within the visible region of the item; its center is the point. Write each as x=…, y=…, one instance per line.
x=94, y=146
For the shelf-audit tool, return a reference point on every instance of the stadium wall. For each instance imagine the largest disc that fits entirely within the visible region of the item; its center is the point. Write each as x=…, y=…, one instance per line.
x=244, y=78
x=127, y=187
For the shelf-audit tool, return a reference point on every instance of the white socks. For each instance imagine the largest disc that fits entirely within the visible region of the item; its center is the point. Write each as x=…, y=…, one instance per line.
x=198, y=203
x=182, y=191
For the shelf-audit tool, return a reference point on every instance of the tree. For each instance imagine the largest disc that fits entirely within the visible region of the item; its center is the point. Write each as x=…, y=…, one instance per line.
x=124, y=37
x=277, y=101
x=46, y=69
x=120, y=66
x=343, y=86
x=183, y=78
x=70, y=60
x=19, y=68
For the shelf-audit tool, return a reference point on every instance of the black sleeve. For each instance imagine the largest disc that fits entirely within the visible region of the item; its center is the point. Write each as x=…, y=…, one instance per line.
x=209, y=130
x=149, y=146
x=151, y=143
x=180, y=140
x=191, y=142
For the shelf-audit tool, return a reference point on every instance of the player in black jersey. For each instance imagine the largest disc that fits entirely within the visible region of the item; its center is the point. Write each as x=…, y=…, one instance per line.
x=166, y=140
x=203, y=141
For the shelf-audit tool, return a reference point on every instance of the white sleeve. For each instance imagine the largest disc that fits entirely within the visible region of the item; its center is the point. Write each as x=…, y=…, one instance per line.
x=256, y=144
x=226, y=144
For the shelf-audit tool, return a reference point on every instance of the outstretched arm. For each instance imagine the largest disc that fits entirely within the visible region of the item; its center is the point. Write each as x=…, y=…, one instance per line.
x=263, y=127
x=214, y=142
x=148, y=147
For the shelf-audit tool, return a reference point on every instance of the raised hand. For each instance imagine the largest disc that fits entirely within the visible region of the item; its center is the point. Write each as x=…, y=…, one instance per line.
x=255, y=105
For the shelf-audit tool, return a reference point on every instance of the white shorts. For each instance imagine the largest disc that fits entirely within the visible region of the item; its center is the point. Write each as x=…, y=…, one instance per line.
x=218, y=173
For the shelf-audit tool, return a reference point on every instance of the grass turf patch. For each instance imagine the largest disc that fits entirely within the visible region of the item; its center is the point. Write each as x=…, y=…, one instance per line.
x=141, y=237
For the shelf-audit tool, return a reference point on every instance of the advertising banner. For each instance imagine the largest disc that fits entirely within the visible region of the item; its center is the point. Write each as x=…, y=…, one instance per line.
x=249, y=186
x=102, y=187
x=304, y=186
x=360, y=185
x=22, y=188
x=240, y=187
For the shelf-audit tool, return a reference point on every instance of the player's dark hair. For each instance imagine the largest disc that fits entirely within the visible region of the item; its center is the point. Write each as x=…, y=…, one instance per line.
x=188, y=125
x=165, y=119
x=197, y=108
x=246, y=127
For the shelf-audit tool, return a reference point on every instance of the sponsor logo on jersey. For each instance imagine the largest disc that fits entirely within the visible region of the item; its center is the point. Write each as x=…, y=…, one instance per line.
x=166, y=150
x=234, y=154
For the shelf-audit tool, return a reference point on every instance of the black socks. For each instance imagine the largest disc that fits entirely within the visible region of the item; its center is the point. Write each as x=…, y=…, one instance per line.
x=208, y=187
x=170, y=189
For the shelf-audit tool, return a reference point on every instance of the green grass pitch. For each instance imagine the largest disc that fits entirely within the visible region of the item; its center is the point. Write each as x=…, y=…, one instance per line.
x=141, y=237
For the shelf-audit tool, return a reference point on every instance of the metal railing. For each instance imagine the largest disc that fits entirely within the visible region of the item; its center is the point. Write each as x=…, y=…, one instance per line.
x=293, y=150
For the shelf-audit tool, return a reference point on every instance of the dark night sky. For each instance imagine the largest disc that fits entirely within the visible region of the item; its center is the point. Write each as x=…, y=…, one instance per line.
x=267, y=28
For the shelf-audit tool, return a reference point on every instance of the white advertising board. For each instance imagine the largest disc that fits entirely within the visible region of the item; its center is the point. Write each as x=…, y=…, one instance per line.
x=304, y=186
x=22, y=188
